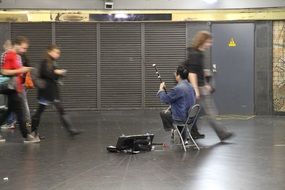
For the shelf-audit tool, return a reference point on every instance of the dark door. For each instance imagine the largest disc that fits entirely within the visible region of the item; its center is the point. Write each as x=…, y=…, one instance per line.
x=233, y=61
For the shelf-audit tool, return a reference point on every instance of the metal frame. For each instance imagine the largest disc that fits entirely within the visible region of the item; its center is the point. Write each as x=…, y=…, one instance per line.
x=191, y=120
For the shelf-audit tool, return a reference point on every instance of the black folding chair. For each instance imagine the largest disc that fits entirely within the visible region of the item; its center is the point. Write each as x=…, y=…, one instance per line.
x=189, y=123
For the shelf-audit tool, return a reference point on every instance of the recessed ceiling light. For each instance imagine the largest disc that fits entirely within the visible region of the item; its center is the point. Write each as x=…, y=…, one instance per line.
x=211, y=1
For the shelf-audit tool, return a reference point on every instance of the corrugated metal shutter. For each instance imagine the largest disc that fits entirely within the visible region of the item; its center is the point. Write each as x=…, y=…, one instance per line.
x=5, y=33
x=165, y=46
x=263, y=68
x=122, y=75
x=121, y=72
x=78, y=42
x=40, y=36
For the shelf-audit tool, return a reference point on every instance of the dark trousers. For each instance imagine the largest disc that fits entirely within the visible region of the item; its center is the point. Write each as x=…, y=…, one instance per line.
x=208, y=104
x=167, y=122
x=15, y=105
x=63, y=117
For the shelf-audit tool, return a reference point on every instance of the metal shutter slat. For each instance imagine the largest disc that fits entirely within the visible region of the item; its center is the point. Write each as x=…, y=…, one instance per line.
x=121, y=65
x=40, y=36
x=78, y=42
x=165, y=45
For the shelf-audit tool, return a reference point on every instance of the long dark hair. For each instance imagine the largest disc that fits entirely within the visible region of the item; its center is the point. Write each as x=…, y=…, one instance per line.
x=200, y=38
x=48, y=57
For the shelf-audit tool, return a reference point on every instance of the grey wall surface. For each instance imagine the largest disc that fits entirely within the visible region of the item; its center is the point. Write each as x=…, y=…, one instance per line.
x=87, y=54
x=263, y=68
x=235, y=67
x=139, y=4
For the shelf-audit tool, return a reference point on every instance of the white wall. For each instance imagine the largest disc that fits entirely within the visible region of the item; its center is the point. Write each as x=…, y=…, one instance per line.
x=138, y=4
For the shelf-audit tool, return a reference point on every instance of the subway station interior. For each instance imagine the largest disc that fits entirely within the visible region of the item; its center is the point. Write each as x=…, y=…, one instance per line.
x=142, y=94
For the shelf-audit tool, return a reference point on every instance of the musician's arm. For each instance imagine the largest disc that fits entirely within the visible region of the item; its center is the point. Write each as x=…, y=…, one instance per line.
x=170, y=97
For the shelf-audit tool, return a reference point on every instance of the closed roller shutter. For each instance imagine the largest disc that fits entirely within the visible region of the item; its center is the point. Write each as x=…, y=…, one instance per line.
x=78, y=42
x=5, y=33
x=121, y=78
x=40, y=36
x=165, y=46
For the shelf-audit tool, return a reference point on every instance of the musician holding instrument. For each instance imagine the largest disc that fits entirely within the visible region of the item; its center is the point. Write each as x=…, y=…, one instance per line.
x=180, y=98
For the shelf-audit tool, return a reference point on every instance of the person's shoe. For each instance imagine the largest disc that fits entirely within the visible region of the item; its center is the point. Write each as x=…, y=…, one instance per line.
x=36, y=136
x=74, y=132
x=12, y=126
x=31, y=139
x=186, y=142
x=41, y=137
x=2, y=139
x=196, y=135
x=69, y=127
x=3, y=126
x=226, y=136
x=9, y=126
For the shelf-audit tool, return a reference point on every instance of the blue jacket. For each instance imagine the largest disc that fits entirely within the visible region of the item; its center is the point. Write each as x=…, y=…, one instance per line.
x=181, y=98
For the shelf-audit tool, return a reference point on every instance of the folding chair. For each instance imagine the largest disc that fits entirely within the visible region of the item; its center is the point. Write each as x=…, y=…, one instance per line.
x=193, y=113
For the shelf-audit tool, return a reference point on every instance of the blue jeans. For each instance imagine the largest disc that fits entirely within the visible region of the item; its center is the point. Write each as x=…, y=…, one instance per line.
x=11, y=118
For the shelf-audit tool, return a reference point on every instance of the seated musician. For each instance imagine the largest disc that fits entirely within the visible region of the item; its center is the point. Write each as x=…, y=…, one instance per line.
x=180, y=98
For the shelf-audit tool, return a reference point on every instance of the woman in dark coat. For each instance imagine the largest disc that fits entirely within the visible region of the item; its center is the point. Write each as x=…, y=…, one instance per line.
x=48, y=91
x=199, y=77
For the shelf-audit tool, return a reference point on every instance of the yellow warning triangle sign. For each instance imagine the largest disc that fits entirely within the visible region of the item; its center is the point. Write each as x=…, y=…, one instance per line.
x=232, y=43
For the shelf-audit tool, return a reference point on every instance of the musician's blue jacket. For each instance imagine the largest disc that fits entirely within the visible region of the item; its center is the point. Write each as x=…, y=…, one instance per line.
x=181, y=98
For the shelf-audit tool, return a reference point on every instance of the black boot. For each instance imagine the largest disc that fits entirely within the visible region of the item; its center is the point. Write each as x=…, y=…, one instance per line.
x=222, y=132
x=66, y=121
x=226, y=136
x=196, y=135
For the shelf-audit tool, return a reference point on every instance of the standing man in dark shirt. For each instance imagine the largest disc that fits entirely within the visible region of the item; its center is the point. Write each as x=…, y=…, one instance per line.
x=180, y=98
x=195, y=65
x=26, y=108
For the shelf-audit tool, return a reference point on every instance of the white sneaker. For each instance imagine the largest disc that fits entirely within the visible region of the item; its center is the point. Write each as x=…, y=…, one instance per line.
x=31, y=139
x=2, y=139
x=36, y=136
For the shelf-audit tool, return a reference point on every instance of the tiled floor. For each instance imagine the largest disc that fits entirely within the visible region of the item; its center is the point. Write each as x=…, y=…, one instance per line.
x=253, y=160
